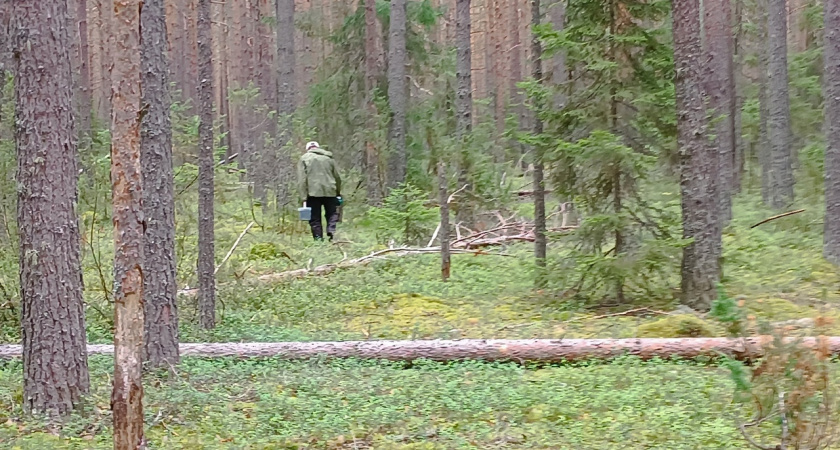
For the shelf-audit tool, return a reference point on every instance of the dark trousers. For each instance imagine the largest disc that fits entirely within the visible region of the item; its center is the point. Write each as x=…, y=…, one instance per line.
x=330, y=205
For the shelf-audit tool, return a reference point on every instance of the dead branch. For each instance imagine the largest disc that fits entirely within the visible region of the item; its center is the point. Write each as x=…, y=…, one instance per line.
x=327, y=269
x=624, y=313
x=232, y=248
x=769, y=219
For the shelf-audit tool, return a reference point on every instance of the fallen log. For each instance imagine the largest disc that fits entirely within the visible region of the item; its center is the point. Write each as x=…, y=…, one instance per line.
x=521, y=350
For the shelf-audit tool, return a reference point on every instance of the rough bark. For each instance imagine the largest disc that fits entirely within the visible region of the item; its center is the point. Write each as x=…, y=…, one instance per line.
x=539, y=165
x=778, y=103
x=129, y=224
x=286, y=86
x=105, y=29
x=286, y=93
x=206, y=235
x=831, y=87
x=699, y=163
x=443, y=197
x=374, y=61
x=55, y=368
x=720, y=88
x=559, y=73
x=6, y=63
x=763, y=151
x=515, y=64
x=83, y=94
x=397, y=90
x=463, y=99
x=740, y=98
x=514, y=350
x=159, y=289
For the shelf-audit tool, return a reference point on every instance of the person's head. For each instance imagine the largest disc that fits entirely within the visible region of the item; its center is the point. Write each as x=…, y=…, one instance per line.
x=312, y=144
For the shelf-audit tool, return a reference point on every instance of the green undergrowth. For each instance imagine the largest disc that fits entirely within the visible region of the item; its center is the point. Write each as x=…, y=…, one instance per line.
x=253, y=404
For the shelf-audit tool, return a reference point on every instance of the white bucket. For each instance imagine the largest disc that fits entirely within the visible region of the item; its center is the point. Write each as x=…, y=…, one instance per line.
x=305, y=213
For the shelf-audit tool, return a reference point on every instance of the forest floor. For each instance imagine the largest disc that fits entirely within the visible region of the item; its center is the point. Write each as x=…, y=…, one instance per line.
x=776, y=271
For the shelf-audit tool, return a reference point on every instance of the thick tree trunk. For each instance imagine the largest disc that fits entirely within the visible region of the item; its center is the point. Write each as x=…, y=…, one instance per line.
x=443, y=197
x=373, y=70
x=699, y=164
x=539, y=165
x=129, y=224
x=206, y=235
x=513, y=350
x=159, y=290
x=397, y=89
x=720, y=87
x=831, y=86
x=55, y=368
x=778, y=104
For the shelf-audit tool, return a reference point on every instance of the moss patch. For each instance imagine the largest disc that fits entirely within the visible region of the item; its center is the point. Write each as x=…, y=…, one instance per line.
x=682, y=325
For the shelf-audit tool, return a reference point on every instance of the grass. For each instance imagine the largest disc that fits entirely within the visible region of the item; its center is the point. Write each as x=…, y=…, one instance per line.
x=227, y=404
x=775, y=271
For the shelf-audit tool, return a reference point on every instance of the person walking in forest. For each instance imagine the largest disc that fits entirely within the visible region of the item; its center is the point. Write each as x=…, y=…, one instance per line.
x=320, y=186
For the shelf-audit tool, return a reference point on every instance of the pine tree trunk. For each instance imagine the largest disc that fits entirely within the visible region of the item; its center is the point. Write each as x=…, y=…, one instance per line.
x=373, y=69
x=778, y=103
x=699, y=163
x=738, y=80
x=159, y=289
x=106, y=21
x=127, y=197
x=763, y=151
x=463, y=99
x=286, y=92
x=831, y=86
x=206, y=235
x=84, y=89
x=559, y=72
x=720, y=87
x=397, y=92
x=540, y=243
x=463, y=102
x=443, y=197
x=55, y=367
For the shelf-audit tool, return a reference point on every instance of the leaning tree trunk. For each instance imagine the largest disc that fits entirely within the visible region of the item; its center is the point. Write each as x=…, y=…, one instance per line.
x=160, y=290
x=397, y=92
x=463, y=102
x=831, y=86
x=698, y=164
x=55, y=366
x=509, y=350
x=129, y=223
x=206, y=235
x=778, y=103
x=720, y=87
x=540, y=243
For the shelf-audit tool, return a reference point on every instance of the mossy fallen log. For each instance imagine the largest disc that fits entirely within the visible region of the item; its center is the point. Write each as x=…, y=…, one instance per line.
x=517, y=350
